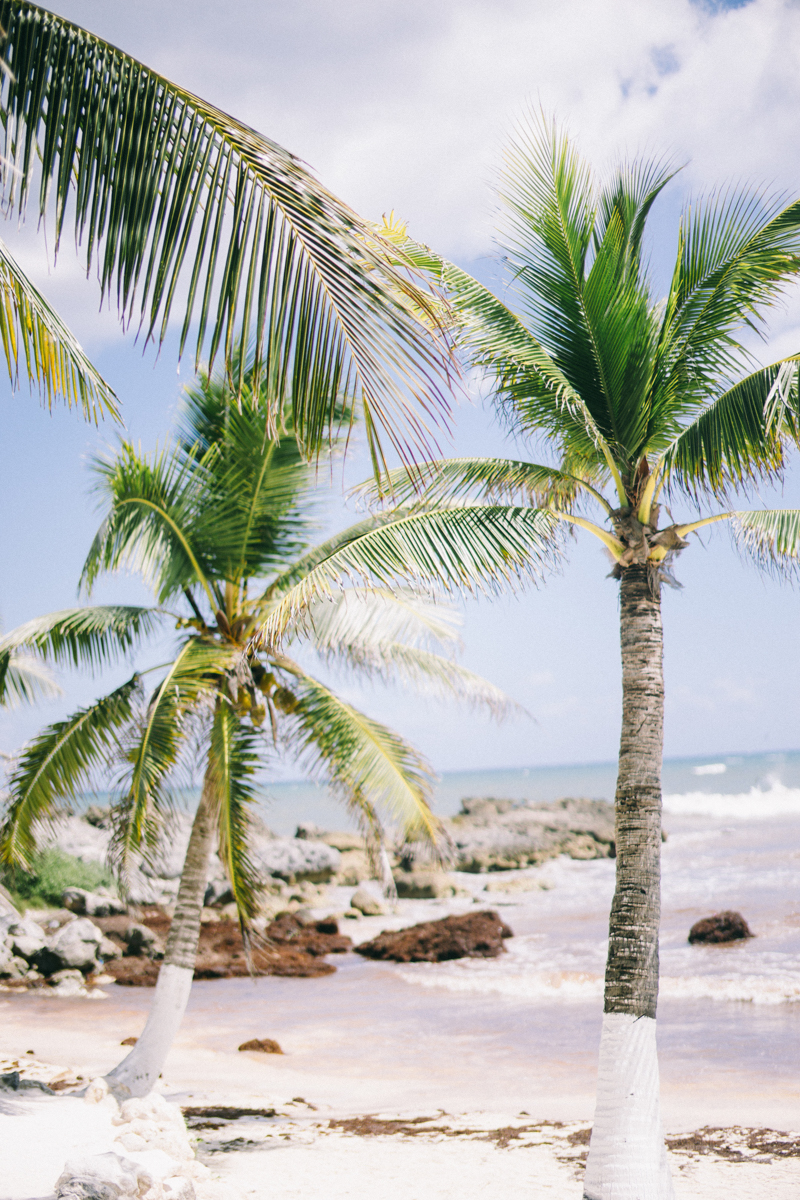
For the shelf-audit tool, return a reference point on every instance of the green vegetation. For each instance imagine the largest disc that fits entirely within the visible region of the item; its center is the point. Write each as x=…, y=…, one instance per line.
x=51, y=872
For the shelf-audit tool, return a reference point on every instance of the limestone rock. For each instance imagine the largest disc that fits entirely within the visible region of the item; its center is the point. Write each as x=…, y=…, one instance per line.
x=518, y=883
x=100, y=903
x=354, y=868
x=102, y=1177
x=424, y=885
x=218, y=892
x=24, y=937
x=366, y=903
x=297, y=858
x=474, y=935
x=498, y=835
x=75, y=945
x=142, y=942
x=722, y=927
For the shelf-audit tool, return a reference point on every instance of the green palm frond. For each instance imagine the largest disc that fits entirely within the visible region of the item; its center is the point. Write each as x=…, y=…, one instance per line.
x=169, y=192
x=24, y=680
x=491, y=480
x=234, y=758
x=37, y=343
x=368, y=765
x=739, y=438
x=465, y=548
x=94, y=636
x=737, y=251
x=771, y=537
x=193, y=677
x=155, y=503
x=57, y=765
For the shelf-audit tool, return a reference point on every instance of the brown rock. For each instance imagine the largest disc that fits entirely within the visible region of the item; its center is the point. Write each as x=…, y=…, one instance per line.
x=264, y=1045
x=474, y=935
x=722, y=927
x=129, y=1041
x=288, y=947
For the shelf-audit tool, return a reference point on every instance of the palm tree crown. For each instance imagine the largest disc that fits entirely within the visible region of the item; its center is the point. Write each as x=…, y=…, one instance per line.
x=219, y=526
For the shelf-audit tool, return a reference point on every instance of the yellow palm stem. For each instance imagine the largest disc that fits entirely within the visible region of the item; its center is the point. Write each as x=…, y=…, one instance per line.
x=612, y=543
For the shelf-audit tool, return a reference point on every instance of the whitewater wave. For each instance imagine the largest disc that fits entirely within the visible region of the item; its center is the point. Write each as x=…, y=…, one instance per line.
x=580, y=987
x=758, y=804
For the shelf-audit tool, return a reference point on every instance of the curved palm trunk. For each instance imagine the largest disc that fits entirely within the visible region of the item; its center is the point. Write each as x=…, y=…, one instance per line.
x=137, y=1073
x=627, y=1156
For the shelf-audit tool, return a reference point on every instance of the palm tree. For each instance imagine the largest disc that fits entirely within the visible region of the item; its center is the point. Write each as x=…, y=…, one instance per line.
x=219, y=526
x=638, y=401
x=187, y=213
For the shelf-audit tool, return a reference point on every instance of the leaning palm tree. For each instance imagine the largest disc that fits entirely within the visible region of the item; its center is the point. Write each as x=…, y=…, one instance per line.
x=639, y=403
x=187, y=213
x=219, y=526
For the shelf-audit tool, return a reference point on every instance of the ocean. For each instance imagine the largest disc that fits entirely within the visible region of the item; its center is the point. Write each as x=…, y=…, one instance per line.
x=496, y=1034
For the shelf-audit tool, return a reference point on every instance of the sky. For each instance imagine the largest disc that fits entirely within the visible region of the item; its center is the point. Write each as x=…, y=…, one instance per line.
x=406, y=107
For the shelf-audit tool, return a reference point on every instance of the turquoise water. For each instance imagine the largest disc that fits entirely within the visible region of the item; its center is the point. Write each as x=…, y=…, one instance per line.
x=763, y=783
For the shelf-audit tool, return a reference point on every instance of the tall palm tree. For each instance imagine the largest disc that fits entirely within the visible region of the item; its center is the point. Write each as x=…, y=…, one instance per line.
x=219, y=526
x=187, y=213
x=635, y=401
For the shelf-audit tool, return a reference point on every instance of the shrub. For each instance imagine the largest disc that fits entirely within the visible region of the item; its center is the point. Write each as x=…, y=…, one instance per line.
x=52, y=871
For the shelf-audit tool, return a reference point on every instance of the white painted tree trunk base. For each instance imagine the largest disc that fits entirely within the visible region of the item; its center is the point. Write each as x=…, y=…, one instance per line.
x=136, y=1075
x=627, y=1154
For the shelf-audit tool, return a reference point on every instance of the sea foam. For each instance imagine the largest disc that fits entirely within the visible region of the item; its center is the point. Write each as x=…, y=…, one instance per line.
x=758, y=804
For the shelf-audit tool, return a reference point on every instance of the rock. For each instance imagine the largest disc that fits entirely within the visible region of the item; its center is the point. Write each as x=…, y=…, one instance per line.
x=13, y=968
x=343, y=841
x=499, y=835
x=98, y=815
x=286, y=947
x=474, y=935
x=366, y=903
x=92, y=904
x=142, y=942
x=519, y=883
x=25, y=938
x=75, y=945
x=129, y=1041
x=722, y=927
x=68, y=983
x=354, y=868
x=103, y=1177
x=218, y=892
x=264, y=1045
x=109, y=949
x=424, y=885
x=297, y=858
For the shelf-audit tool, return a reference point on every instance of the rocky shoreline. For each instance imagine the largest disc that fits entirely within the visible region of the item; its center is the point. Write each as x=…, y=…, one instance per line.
x=96, y=938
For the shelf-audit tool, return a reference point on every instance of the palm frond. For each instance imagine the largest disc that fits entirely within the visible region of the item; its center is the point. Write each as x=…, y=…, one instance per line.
x=368, y=765
x=170, y=190
x=739, y=439
x=24, y=680
x=155, y=503
x=465, y=548
x=194, y=676
x=38, y=344
x=233, y=760
x=736, y=252
x=771, y=537
x=491, y=480
x=58, y=764
x=94, y=636
x=366, y=617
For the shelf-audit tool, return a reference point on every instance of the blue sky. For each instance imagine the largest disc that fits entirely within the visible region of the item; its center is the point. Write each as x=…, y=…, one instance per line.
x=405, y=107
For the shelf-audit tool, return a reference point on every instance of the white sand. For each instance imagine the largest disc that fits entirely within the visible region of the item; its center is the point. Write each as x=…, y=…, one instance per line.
x=303, y=1153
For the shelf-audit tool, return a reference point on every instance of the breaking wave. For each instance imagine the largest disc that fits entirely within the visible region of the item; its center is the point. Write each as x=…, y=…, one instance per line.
x=759, y=803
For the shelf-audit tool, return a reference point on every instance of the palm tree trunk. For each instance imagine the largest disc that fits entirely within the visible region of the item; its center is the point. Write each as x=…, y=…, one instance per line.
x=627, y=1156
x=137, y=1073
